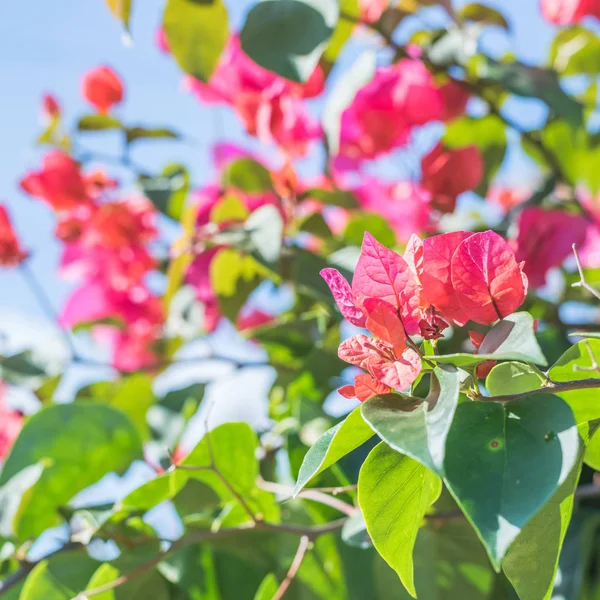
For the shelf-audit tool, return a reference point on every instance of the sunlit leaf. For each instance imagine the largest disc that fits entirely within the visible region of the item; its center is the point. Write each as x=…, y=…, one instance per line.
x=197, y=32
x=289, y=36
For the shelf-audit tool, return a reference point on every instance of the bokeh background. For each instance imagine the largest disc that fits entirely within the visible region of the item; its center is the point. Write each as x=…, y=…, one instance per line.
x=47, y=47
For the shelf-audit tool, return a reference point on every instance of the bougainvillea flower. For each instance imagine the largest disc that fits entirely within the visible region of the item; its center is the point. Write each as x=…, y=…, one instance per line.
x=11, y=253
x=448, y=173
x=435, y=274
x=198, y=273
x=381, y=274
x=488, y=281
x=137, y=314
x=253, y=319
x=545, y=239
x=161, y=41
x=59, y=182
x=270, y=106
x=371, y=10
x=455, y=98
x=386, y=357
x=365, y=387
x=102, y=88
x=344, y=297
x=568, y=12
x=405, y=206
x=50, y=108
x=384, y=112
x=11, y=422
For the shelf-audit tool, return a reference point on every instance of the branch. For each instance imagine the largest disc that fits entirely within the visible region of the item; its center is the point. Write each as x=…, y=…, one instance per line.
x=306, y=532
x=27, y=566
x=553, y=387
x=582, y=281
x=293, y=570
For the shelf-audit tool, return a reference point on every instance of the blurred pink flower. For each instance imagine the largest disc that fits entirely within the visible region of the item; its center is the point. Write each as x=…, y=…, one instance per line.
x=102, y=88
x=386, y=110
x=137, y=316
x=11, y=422
x=545, y=239
x=568, y=12
x=447, y=173
x=404, y=205
x=371, y=10
x=270, y=106
x=11, y=253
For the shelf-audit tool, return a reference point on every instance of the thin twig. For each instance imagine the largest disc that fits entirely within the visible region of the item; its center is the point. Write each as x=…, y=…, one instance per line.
x=294, y=568
x=582, y=281
x=312, y=494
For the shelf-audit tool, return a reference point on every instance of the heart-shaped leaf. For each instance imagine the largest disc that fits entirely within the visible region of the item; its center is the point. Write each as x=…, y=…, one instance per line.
x=504, y=461
x=289, y=36
x=419, y=432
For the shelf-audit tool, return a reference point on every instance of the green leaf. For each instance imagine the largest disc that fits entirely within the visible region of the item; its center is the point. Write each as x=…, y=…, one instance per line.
x=106, y=573
x=248, y=175
x=289, y=36
x=543, y=537
x=342, y=94
x=533, y=82
x=121, y=9
x=11, y=494
x=394, y=493
x=513, y=338
x=227, y=209
x=143, y=133
x=485, y=470
x=418, y=431
x=483, y=14
x=168, y=191
x=376, y=225
x=80, y=444
x=513, y=378
x=24, y=369
x=486, y=133
x=340, y=440
x=574, y=51
x=197, y=32
x=268, y=588
x=450, y=564
x=316, y=225
x=576, y=364
x=234, y=276
x=265, y=230
x=98, y=123
x=131, y=395
x=342, y=198
x=61, y=577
